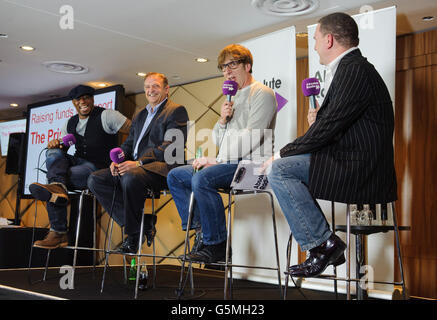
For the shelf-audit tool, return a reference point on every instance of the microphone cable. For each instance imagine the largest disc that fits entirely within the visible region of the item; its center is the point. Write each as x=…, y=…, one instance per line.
x=34, y=220
x=115, y=180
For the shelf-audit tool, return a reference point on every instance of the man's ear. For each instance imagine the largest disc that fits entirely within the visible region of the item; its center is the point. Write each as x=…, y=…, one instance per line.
x=330, y=40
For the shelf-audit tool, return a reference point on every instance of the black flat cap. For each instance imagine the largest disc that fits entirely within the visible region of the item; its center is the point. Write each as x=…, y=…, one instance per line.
x=80, y=91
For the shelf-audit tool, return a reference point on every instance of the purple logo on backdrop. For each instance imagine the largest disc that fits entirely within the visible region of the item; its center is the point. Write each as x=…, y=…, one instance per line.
x=281, y=101
x=276, y=84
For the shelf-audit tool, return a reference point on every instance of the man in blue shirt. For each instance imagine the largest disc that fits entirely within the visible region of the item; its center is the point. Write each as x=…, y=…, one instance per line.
x=145, y=167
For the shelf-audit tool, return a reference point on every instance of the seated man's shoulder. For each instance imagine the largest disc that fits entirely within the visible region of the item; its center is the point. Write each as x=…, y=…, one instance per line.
x=172, y=108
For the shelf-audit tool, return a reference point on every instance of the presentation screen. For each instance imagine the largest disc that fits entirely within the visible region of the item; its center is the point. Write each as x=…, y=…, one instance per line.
x=8, y=127
x=44, y=122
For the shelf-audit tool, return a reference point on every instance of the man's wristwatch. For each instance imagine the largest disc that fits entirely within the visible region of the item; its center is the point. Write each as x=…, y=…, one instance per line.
x=139, y=163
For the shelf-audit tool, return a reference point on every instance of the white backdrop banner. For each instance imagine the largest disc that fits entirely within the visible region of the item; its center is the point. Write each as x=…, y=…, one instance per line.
x=377, y=33
x=274, y=64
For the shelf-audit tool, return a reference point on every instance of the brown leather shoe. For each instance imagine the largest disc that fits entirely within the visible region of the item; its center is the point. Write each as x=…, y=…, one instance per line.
x=53, y=193
x=52, y=240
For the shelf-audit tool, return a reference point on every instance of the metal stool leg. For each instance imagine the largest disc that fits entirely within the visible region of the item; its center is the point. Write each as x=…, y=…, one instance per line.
x=153, y=244
x=79, y=216
x=140, y=243
x=398, y=246
x=94, y=234
x=186, y=248
x=31, y=244
x=47, y=265
x=275, y=234
x=108, y=245
x=333, y=230
x=348, y=261
x=287, y=275
x=228, y=266
x=124, y=259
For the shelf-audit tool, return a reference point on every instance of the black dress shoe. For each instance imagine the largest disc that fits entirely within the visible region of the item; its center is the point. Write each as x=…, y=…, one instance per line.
x=150, y=235
x=149, y=228
x=130, y=245
x=209, y=253
x=328, y=253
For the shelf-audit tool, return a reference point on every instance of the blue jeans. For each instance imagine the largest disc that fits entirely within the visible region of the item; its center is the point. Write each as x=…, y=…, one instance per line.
x=209, y=211
x=73, y=172
x=288, y=178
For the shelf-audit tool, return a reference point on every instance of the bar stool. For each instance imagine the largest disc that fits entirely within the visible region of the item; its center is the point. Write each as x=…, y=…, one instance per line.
x=228, y=261
x=151, y=194
x=359, y=231
x=82, y=194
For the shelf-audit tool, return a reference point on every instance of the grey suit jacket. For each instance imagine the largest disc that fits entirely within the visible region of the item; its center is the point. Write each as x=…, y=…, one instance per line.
x=351, y=141
x=152, y=147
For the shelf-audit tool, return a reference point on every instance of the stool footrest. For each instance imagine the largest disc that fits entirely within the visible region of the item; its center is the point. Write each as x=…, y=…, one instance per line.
x=370, y=229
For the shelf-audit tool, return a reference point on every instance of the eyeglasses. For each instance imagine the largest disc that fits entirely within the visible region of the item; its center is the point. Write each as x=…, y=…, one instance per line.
x=232, y=65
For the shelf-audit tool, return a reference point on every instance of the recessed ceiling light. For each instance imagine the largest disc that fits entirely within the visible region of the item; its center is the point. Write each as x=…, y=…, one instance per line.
x=65, y=67
x=428, y=18
x=27, y=48
x=201, y=60
x=102, y=85
x=14, y=105
x=141, y=74
x=176, y=77
x=3, y=35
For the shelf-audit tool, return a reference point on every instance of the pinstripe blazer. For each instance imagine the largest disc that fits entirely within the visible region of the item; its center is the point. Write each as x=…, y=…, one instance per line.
x=351, y=141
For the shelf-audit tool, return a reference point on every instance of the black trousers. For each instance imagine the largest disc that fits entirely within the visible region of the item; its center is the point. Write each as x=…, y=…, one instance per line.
x=123, y=196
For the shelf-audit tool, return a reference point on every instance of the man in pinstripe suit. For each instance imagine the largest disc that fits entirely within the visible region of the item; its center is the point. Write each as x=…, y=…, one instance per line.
x=347, y=153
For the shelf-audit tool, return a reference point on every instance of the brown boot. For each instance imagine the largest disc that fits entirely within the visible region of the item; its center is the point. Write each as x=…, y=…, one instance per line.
x=52, y=240
x=53, y=193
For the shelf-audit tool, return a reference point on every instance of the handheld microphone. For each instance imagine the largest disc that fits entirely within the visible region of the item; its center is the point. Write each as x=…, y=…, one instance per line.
x=68, y=140
x=117, y=155
x=229, y=90
x=311, y=88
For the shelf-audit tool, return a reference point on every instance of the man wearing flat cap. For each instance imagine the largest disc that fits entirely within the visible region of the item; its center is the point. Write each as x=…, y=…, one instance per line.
x=95, y=130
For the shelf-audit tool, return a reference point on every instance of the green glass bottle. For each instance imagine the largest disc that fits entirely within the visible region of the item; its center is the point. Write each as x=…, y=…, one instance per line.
x=198, y=155
x=133, y=270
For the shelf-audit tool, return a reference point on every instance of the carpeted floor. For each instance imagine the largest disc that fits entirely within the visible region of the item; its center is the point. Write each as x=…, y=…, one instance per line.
x=87, y=283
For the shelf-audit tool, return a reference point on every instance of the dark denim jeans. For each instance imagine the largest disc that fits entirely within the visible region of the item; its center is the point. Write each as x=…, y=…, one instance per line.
x=73, y=172
x=209, y=211
x=123, y=196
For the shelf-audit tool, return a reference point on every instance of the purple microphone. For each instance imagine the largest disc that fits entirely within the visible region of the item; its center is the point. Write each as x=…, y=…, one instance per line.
x=117, y=155
x=229, y=90
x=68, y=140
x=311, y=88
